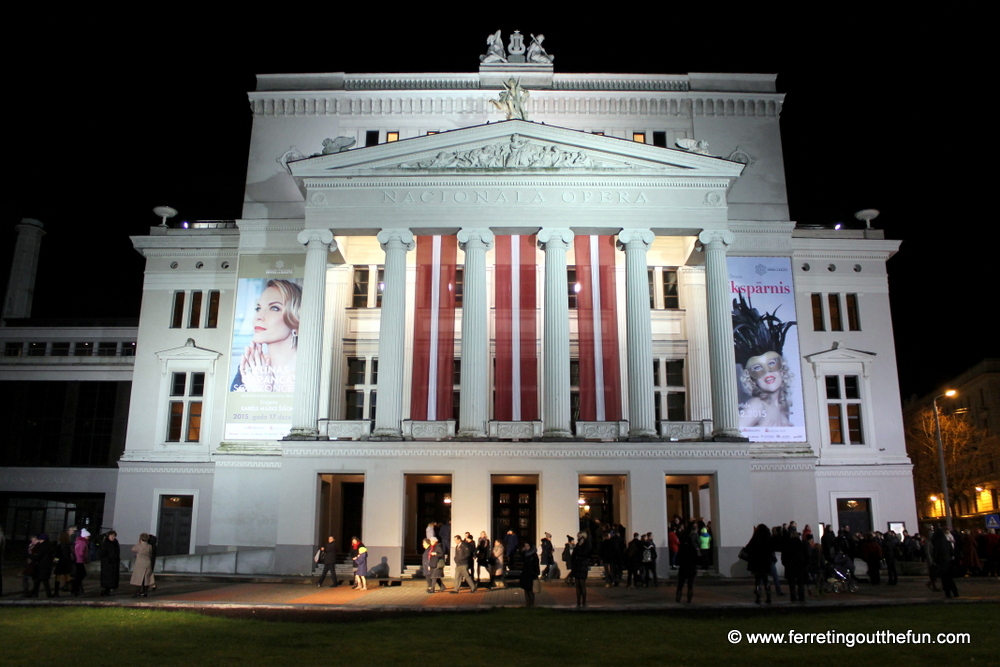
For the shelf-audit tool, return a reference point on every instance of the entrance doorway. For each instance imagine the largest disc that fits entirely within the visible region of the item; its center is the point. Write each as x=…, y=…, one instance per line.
x=428, y=500
x=341, y=510
x=173, y=532
x=515, y=506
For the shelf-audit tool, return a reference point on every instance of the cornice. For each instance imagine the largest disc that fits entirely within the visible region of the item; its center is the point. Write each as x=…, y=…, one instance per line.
x=456, y=180
x=451, y=101
x=494, y=451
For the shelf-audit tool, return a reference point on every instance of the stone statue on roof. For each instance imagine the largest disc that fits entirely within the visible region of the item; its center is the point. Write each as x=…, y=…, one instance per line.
x=494, y=49
x=513, y=100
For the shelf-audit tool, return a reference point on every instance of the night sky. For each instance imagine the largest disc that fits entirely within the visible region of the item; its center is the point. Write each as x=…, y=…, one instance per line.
x=103, y=125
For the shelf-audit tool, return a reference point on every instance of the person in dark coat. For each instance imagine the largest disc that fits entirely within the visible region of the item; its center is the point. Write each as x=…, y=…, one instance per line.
x=530, y=569
x=795, y=558
x=44, y=555
x=111, y=560
x=687, y=562
x=943, y=554
x=580, y=567
x=436, y=564
x=328, y=556
x=760, y=556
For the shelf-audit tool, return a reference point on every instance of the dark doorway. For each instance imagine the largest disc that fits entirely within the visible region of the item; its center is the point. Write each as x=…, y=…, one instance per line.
x=433, y=506
x=514, y=508
x=856, y=513
x=353, y=503
x=173, y=534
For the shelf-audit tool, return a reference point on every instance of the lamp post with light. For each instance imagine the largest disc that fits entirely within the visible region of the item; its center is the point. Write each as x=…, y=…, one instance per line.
x=944, y=476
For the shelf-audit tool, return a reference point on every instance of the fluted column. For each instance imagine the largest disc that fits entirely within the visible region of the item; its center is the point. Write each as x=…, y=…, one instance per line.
x=555, y=335
x=473, y=397
x=639, y=334
x=691, y=280
x=722, y=358
x=391, y=340
x=305, y=404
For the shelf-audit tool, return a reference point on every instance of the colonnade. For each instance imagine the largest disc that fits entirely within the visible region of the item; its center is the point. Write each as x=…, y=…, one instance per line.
x=474, y=407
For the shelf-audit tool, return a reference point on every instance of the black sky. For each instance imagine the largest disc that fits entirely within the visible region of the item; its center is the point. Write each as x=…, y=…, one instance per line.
x=107, y=120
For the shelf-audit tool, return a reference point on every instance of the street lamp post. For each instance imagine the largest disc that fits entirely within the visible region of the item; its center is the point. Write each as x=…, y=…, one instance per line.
x=940, y=448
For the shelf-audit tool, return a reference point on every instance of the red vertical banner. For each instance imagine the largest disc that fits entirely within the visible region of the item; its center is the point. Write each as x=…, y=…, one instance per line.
x=597, y=325
x=516, y=313
x=434, y=328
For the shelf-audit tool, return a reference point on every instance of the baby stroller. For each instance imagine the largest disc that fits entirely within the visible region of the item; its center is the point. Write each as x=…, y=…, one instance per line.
x=838, y=576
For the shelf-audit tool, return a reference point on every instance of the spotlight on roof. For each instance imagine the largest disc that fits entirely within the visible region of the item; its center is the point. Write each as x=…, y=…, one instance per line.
x=867, y=215
x=164, y=212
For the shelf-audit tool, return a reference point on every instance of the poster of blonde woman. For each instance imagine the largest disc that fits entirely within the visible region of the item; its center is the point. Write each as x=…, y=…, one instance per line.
x=766, y=342
x=264, y=347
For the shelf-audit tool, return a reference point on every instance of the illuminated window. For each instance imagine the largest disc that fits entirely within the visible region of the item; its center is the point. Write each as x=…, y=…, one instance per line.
x=185, y=409
x=843, y=405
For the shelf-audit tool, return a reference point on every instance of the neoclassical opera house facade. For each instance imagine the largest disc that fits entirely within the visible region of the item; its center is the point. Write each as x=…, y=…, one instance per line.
x=509, y=300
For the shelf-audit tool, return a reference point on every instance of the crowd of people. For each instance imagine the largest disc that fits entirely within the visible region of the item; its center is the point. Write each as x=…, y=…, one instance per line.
x=60, y=565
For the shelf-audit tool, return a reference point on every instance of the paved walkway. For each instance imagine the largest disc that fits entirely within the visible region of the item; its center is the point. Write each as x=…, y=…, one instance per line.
x=222, y=593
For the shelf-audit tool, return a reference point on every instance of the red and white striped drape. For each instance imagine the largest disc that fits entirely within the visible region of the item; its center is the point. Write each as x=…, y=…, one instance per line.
x=434, y=328
x=516, y=329
x=597, y=322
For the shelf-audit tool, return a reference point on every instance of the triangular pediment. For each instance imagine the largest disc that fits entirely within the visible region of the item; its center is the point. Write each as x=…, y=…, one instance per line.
x=514, y=146
x=838, y=354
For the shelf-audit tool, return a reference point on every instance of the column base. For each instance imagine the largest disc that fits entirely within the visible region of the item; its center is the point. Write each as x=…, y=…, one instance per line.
x=305, y=434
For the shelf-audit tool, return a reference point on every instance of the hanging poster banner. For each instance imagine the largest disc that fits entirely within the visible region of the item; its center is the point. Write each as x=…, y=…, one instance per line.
x=765, y=337
x=264, y=347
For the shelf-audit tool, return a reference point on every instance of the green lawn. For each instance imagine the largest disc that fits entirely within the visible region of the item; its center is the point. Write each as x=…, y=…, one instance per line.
x=38, y=636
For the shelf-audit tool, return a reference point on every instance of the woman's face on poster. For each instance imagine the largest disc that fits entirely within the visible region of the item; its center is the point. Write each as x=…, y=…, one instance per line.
x=766, y=371
x=269, y=325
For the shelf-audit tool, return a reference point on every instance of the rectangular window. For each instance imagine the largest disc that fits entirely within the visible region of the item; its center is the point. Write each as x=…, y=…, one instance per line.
x=843, y=397
x=671, y=297
x=212, y=320
x=836, y=324
x=660, y=139
x=107, y=349
x=194, y=317
x=177, y=320
x=360, y=297
x=573, y=287
x=853, y=313
x=371, y=138
x=817, y=310
x=639, y=137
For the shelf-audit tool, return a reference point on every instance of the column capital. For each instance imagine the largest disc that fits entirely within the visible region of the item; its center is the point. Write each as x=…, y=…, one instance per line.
x=404, y=237
x=324, y=236
x=633, y=237
x=555, y=235
x=483, y=236
x=723, y=236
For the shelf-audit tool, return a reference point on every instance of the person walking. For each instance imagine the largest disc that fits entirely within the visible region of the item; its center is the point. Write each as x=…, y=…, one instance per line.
x=142, y=568
x=580, y=567
x=111, y=560
x=328, y=556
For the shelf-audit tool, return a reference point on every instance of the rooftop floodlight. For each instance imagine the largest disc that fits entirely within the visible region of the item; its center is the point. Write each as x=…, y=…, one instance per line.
x=164, y=212
x=867, y=215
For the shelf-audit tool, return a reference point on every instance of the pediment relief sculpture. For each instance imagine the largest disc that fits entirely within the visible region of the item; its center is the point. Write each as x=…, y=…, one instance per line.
x=517, y=153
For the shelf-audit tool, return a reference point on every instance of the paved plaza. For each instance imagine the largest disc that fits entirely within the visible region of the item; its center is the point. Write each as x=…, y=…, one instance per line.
x=300, y=594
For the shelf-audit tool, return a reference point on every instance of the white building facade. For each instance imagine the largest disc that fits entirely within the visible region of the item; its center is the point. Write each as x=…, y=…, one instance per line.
x=507, y=324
